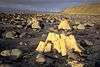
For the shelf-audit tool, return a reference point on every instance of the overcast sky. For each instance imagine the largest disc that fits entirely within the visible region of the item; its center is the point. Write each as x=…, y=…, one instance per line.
x=55, y=5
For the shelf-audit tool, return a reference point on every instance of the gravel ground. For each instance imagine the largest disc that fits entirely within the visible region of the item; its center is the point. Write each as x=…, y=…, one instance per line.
x=16, y=32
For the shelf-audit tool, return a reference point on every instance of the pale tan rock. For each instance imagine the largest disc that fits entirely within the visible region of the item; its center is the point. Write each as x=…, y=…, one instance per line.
x=35, y=23
x=61, y=43
x=72, y=44
x=48, y=47
x=76, y=64
x=73, y=41
x=52, y=37
x=57, y=46
x=64, y=24
x=63, y=36
x=41, y=46
x=63, y=47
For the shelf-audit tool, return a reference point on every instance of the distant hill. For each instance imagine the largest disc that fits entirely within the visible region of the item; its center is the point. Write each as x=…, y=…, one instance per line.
x=83, y=9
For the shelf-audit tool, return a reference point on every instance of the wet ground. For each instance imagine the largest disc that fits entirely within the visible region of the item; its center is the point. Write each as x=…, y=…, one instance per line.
x=17, y=33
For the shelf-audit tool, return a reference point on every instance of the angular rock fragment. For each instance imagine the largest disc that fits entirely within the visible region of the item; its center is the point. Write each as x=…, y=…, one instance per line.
x=16, y=52
x=76, y=64
x=63, y=47
x=48, y=47
x=57, y=46
x=13, y=53
x=88, y=42
x=60, y=42
x=35, y=24
x=40, y=58
x=10, y=34
x=6, y=53
x=19, y=26
x=52, y=37
x=41, y=46
x=64, y=24
x=81, y=27
x=71, y=42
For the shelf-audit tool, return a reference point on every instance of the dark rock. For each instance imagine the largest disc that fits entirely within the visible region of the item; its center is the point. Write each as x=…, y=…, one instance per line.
x=6, y=65
x=22, y=34
x=88, y=42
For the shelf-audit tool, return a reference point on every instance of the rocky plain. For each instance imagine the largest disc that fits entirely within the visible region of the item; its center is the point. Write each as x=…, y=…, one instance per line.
x=19, y=39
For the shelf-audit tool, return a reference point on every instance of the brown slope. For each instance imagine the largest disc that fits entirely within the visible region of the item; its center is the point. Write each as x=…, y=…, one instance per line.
x=83, y=9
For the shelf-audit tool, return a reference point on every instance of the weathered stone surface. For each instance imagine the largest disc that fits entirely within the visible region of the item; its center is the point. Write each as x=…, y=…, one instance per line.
x=77, y=22
x=60, y=42
x=64, y=24
x=40, y=58
x=48, y=47
x=57, y=46
x=19, y=26
x=63, y=47
x=6, y=53
x=52, y=37
x=76, y=64
x=71, y=43
x=10, y=34
x=14, y=53
x=75, y=27
x=41, y=46
x=22, y=35
x=35, y=23
x=88, y=42
x=80, y=26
